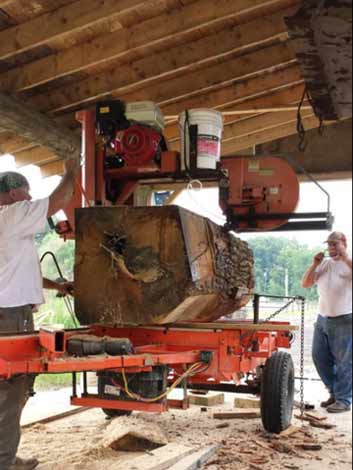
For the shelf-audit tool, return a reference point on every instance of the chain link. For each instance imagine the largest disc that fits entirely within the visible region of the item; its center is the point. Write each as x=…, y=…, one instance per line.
x=302, y=360
x=276, y=314
x=302, y=346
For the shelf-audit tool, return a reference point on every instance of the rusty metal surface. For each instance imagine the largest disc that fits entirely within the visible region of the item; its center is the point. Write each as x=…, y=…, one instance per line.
x=138, y=266
x=321, y=34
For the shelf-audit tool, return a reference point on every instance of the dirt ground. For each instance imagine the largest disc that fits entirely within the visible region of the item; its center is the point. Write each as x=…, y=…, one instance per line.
x=76, y=442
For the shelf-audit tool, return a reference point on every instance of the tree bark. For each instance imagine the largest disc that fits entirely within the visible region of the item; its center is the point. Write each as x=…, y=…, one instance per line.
x=146, y=266
x=22, y=120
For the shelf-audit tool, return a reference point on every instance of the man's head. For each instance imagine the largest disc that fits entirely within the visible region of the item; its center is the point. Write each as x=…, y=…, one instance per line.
x=337, y=243
x=14, y=187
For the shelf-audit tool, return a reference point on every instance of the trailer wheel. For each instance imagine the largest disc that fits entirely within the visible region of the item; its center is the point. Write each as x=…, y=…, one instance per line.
x=277, y=393
x=116, y=413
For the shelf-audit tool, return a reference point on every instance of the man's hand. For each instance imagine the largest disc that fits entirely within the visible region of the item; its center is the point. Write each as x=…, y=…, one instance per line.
x=62, y=286
x=319, y=259
x=65, y=288
x=72, y=165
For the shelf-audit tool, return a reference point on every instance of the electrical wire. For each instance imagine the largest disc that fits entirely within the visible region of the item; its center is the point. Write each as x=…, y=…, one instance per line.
x=191, y=372
x=190, y=187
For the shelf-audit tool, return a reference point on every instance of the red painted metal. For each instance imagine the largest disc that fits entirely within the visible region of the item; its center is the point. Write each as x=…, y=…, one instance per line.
x=234, y=351
x=88, y=122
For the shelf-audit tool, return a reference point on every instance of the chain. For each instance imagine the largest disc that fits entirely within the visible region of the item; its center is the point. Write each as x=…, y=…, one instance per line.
x=276, y=314
x=302, y=360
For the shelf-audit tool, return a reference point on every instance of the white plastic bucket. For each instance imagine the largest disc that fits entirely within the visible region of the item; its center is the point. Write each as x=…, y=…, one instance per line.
x=210, y=131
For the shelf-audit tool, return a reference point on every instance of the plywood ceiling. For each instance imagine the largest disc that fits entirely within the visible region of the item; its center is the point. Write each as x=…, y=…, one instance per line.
x=60, y=56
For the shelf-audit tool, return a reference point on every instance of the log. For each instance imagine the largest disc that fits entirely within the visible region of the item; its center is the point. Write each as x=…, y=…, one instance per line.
x=321, y=33
x=157, y=265
x=17, y=117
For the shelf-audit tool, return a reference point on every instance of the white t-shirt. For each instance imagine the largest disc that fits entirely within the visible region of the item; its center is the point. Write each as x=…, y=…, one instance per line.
x=21, y=281
x=334, y=280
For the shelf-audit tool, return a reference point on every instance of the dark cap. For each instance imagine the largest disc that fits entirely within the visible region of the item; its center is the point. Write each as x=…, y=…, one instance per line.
x=337, y=237
x=12, y=180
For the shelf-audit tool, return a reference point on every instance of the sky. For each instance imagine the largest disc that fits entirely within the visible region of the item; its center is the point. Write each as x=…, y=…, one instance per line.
x=205, y=201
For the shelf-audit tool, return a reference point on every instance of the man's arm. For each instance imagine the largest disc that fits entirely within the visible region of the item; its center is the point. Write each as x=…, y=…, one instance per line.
x=63, y=288
x=309, y=278
x=63, y=194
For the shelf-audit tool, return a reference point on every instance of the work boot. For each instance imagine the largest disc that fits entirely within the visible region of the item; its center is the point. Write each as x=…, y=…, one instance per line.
x=24, y=464
x=339, y=407
x=329, y=402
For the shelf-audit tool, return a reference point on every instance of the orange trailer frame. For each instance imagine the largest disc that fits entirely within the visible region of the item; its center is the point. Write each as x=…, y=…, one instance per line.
x=231, y=350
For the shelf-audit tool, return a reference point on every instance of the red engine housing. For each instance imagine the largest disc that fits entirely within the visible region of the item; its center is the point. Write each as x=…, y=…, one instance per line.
x=138, y=145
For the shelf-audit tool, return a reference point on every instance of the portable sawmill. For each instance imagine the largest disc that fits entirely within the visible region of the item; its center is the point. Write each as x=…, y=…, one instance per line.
x=153, y=282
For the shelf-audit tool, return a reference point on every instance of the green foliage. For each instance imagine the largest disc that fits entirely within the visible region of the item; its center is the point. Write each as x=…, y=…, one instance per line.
x=273, y=256
x=54, y=311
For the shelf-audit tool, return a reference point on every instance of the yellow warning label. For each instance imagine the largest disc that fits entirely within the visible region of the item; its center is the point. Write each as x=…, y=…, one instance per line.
x=267, y=172
x=105, y=110
x=254, y=166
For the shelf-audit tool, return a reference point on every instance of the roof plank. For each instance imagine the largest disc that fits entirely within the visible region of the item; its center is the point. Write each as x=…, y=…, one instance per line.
x=58, y=23
x=267, y=135
x=280, y=97
x=192, y=18
x=163, y=91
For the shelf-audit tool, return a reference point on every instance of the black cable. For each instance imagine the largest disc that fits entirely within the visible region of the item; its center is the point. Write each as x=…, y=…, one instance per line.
x=186, y=133
x=303, y=144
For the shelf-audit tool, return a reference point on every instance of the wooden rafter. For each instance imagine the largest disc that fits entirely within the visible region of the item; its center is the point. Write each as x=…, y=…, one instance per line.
x=268, y=135
x=163, y=92
x=291, y=94
x=66, y=20
x=118, y=45
x=233, y=96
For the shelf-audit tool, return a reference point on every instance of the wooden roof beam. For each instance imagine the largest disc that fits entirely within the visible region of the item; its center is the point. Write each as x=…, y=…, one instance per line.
x=59, y=23
x=267, y=135
x=284, y=96
x=24, y=121
x=237, y=94
x=190, y=19
x=122, y=82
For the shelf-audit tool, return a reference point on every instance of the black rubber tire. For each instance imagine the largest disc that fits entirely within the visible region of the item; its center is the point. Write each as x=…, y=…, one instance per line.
x=116, y=413
x=277, y=393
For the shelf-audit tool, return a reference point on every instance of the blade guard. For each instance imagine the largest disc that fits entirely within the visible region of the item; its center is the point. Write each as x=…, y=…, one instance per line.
x=257, y=186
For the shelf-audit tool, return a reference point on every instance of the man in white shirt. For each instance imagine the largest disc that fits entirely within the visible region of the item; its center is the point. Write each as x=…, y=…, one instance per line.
x=21, y=288
x=332, y=348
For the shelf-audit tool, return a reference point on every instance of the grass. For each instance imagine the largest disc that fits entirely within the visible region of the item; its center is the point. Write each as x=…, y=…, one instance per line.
x=54, y=312
x=53, y=382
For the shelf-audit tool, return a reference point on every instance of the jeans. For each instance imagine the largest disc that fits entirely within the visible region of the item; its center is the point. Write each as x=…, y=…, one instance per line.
x=332, y=354
x=14, y=393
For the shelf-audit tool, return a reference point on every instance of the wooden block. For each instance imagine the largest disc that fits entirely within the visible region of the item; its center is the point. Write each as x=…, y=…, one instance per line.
x=247, y=403
x=239, y=414
x=160, y=459
x=292, y=431
x=197, y=460
x=316, y=415
x=212, y=399
x=133, y=438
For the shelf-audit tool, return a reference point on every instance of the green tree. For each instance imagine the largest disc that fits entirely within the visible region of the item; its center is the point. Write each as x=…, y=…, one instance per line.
x=276, y=257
